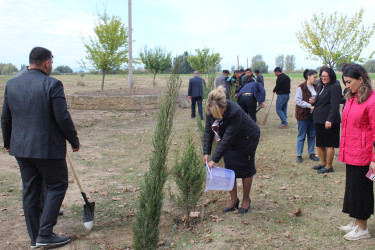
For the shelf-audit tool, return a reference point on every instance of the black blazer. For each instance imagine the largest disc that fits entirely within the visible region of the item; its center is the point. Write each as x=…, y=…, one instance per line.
x=195, y=86
x=327, y=104
x=236, y=129
x=35, y=121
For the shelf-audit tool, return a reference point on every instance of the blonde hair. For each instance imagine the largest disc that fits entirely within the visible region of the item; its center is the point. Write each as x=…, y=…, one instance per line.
x=216, y=100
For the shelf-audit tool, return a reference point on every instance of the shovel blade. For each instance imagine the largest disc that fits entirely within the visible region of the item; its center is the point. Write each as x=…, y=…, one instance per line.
x=88, y=215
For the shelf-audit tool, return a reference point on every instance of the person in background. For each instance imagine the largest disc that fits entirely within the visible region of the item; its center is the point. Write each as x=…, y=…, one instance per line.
x=326, y=116
x=222, y=81
x=357, y=148
x=195, y=93
x=249, y=77
x=303, y=113
x=282, y=89
x=260, y=78
x=248, y=97
x=238, y=137
x=35, y=125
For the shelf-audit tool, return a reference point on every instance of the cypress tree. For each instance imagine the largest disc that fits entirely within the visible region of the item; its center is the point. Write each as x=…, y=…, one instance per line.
x=146, y=228
x=189, y=175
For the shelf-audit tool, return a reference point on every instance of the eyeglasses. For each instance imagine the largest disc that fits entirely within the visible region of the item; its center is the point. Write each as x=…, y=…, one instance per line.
x=324, y=77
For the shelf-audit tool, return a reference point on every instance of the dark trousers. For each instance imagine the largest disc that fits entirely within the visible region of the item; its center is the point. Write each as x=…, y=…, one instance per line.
x=249, y=104
x=54, y=173
x=194, y=100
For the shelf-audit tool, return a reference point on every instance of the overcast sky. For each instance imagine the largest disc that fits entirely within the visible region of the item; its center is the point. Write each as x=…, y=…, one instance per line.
x=231, y=28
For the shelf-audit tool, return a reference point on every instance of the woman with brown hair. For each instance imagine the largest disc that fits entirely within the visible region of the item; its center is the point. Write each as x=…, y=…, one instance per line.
x=357, y=150
x=238, y=137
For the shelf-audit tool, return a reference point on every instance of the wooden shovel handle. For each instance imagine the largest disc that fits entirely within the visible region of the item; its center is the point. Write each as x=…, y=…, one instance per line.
x=74, y=171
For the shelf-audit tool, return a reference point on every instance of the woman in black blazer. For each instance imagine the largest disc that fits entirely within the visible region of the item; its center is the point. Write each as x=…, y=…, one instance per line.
x=238, y=137
x=326, y=116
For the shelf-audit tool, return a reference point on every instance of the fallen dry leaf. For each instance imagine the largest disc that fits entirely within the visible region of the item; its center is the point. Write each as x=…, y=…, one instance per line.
x=287, y=234
x=116, y=199
x=298, y=212
x=283, y=188
x=194, y=214
x=10, y=190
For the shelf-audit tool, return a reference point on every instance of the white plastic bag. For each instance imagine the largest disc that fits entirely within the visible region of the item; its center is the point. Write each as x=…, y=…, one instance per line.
x=219, y=178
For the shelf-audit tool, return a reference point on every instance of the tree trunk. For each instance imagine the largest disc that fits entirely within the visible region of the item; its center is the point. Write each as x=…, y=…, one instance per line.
x=103, y=79
x=153, y=81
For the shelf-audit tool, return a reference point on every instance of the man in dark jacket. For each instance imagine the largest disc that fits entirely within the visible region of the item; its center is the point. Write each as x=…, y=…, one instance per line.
x=260, y=78
x=35, y=125
x=282, y=89
x=195, y=93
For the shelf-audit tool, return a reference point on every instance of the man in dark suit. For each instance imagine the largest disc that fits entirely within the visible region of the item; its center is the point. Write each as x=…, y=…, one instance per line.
x=35, y=125
x=195, y=93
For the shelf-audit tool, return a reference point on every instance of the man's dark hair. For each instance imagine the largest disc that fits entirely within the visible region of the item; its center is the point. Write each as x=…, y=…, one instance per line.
x=256, y=71
x=277, y=69
x=225, y=71
x=247, y=69
x=241, y=70
x=237, y=71
x=38, y=55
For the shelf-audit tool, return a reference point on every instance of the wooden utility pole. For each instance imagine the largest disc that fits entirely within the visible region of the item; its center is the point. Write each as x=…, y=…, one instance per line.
x=238, y=62
x=247, y=63
x=130, y=31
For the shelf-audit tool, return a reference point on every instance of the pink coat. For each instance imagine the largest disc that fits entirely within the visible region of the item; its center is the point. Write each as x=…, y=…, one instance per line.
x=358, y=132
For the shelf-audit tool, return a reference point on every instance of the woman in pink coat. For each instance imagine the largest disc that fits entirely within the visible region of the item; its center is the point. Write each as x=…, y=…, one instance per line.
x=357, y=150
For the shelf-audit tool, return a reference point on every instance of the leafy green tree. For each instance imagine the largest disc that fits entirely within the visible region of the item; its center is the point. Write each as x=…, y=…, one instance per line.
x=185, y=67
x=290, y=63
x=109, y=49
x=188, y=174
x=146, y=227
x=156, y=60
x=335, y=38
x=370, y=66
x=279, y=61
x=202, y=59
x=7, y=68
x=63, y=69
x=257, y=63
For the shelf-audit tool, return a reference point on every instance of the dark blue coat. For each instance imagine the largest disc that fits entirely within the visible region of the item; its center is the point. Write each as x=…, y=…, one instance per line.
x=195, y=86
x=236, y=129
x=35, y=121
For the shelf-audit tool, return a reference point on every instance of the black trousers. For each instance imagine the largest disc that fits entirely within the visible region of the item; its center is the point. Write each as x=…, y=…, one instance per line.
x=54, y=173
x=194, y=100
x=249, y=104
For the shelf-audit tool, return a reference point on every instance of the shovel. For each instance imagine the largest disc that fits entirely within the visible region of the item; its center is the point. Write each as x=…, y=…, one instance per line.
x=89, y=207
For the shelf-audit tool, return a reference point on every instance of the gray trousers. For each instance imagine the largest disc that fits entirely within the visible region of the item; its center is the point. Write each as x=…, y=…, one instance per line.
x=54, y=174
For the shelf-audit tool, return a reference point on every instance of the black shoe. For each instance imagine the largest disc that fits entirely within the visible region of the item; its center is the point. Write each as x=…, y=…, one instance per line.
x=51, y=240
x=244, y=210
x=314, y=158
x=325, y=170
x=231, y=209
x=317, y=167
x=299, y=159
x=61, y=213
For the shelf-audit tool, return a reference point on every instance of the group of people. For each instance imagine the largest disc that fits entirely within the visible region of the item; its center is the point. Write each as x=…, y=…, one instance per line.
x=318, y=116
x=36, y=125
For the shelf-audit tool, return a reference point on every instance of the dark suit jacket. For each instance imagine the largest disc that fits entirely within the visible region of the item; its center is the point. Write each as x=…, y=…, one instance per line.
x=327, y=104
x=237, y=129
x=195, y=86
x=35, y=121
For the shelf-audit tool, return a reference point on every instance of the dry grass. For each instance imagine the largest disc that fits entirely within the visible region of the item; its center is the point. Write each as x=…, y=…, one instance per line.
x=114, y=156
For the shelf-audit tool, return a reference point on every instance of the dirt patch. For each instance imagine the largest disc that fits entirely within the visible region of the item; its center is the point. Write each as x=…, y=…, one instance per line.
x=122, y=92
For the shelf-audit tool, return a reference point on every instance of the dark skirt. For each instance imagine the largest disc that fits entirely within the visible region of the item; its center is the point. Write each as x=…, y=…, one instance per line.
x=328, y=137
x=359, y=194
x=243, y=165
